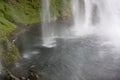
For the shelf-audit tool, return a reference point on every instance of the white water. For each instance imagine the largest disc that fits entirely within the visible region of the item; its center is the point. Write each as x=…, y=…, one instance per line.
x=47, y=29
x=99, y=17
x=109, y=26
x=106, y=23
x=81, y=11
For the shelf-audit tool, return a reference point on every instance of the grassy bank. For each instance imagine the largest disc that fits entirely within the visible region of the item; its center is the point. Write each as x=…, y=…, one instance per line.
x=24, y=12
x=10, y=53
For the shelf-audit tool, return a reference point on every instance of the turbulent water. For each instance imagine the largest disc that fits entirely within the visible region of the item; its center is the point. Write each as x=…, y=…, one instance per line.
x=84, y=58
x=109, y=25
x=47, y=30
x=88, y=49
x=99, y=17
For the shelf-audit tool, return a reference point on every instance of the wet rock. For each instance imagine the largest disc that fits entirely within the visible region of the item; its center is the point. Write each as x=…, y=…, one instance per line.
x=33, y=75
x=10, y=76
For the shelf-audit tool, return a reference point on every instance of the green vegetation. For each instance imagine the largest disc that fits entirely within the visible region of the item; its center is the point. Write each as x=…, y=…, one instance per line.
x=60, y=8
x=56, y=7
x=29, y=11
x=6, y=28
x=10, y=53
x=24, y=12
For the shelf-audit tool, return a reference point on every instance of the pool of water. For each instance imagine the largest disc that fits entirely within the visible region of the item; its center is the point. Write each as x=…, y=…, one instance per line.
x=73, y=58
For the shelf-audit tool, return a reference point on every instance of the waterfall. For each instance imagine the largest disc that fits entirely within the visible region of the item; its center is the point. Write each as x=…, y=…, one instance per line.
x=109, y=25
x=81, y=11
x=101, y=17
x=76, y=13
x=47, y=29
x=89, y=17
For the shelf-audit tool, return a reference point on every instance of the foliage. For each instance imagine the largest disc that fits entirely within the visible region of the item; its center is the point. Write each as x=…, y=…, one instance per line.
x=29, y=11
x=56, y=7
x=24, y=12
x=6, y=28
x=59, y=8
x=10, y=53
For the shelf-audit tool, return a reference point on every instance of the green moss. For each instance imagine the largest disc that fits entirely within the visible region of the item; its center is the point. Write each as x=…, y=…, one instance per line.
x=24, y=12
x=29, y=11
x=60, y=8
x=56, y=7
x=6, y=28
x=10, y=53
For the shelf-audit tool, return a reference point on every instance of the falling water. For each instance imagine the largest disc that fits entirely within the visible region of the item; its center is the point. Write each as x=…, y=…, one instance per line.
x=86, y=58
x=81, y=11
x=76, y=13
x=100, y=17
x=109, y=25
x=47, y=29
